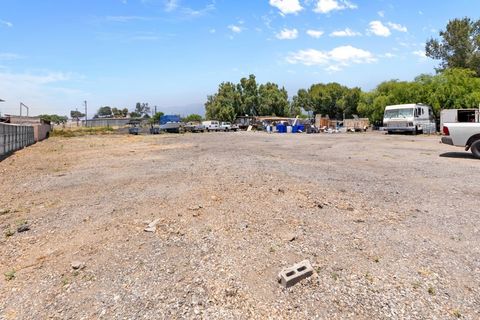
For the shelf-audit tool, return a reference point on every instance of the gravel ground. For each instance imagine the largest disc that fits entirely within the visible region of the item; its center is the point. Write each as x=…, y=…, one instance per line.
x=391, y=225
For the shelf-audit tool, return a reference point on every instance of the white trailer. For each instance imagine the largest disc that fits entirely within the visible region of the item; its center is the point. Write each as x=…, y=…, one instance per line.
x=414, y=118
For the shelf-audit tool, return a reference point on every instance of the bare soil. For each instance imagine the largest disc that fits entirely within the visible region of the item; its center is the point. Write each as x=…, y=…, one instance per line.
x=391, y=225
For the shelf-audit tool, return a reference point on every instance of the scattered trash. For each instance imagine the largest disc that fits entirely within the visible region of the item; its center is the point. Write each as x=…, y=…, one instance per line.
x=152, y=226
x=78, y=265
x=290, y=276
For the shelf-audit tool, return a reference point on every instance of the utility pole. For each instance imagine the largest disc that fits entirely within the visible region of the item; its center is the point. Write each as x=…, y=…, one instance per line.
x=86, y=116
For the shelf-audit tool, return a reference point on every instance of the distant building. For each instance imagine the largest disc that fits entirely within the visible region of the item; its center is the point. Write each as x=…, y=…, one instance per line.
x=41, y=128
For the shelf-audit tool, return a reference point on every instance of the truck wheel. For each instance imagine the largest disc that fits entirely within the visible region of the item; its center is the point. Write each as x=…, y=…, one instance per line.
x=475, y=147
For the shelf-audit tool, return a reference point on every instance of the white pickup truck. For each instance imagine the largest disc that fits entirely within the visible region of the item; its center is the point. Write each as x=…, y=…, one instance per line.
x=466, y=134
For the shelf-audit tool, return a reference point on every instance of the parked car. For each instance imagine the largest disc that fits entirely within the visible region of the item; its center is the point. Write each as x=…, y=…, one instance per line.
x=463, y=135
x=194, y=127
x=212, y=125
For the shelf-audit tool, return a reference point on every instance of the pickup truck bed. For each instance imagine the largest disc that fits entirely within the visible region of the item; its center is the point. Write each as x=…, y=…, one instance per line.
x=463, y=135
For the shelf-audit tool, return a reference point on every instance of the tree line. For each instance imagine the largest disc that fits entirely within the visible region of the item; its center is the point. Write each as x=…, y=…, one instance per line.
x=456, y=85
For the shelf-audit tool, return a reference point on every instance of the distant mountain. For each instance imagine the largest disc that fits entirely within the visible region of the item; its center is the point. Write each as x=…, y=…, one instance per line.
x=197, y=108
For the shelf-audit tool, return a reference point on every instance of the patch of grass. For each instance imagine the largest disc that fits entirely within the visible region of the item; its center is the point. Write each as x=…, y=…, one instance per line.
x=335, y=276
x=272, y=249
x=10, y=275
x=431, y=291
x=81, y=131
x=9, y=232
x=377, y=259
x=21, y=222
x=65, y=281
x=416, y=285
x=456, y=313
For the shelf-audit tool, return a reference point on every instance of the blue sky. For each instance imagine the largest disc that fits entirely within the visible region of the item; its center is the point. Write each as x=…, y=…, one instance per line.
x=173, y=53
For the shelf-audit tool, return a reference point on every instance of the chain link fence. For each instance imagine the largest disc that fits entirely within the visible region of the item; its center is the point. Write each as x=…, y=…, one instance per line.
x=15, y=137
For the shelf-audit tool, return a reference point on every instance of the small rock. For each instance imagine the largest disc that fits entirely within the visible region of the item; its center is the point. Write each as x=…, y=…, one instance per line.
x=23, y=228
x=4, y=211
x=291, y=237
x=195, y=208
x=78, y=265
x=152, y=226
x=214, y=198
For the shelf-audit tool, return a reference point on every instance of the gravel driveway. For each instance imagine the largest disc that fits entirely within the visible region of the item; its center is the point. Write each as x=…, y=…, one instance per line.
x=391, y=225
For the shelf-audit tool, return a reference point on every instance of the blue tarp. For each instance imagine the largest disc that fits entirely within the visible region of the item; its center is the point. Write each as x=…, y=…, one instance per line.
x=169, y=118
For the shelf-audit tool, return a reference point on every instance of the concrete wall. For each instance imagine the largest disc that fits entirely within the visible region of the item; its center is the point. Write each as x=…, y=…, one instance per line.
x=106, y=122
x=14, y=137
x=41, y=131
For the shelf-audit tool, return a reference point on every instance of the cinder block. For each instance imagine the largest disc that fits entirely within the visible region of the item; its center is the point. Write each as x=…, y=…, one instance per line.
x=290, y=276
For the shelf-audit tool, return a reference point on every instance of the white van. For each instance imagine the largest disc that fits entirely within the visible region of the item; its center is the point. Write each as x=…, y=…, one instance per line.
x=415, y=118
x=212, y=125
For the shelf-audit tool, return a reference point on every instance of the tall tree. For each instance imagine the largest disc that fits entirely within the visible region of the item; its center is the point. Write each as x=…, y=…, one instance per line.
x=248, y=90
x=459, y=46
x=104, y=112
x=76, y=115
x=272, y=100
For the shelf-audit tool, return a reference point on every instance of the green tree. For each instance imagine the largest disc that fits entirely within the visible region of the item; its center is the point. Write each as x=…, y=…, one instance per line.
x=272, y=100
x=76, y=115
x=459, y=46
x=224, y=104
x=248, y=89
x=119, y=113
x=193, y=118
x=156, y=117
x=54, y=118
x=302, y=101
x=104, y=112
x=141, y=110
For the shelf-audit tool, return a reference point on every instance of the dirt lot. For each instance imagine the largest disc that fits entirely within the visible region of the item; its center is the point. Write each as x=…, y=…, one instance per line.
x=391, y=227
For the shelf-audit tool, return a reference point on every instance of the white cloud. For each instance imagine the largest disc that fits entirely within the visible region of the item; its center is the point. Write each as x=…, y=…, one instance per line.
x=213, y=30
x=381, y=14
x=379, y=29
x=6, y=23
x=326, y=6
x=333, y=60
x=287, y=34
x=171, y=5
x=397, y=27
x=345, y=33
x=315, y=33
x=235, y=28
x=287, y=6
x=37, y=90
x=420, y=53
